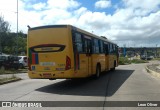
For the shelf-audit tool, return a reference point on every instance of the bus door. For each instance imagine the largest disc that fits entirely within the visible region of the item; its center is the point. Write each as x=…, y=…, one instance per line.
x=106, y=56
x=88, y=51
x=82, y=54
x=111, y=56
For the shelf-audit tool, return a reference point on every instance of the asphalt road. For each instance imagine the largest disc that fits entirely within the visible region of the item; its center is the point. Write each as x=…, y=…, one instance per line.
x=126, y=83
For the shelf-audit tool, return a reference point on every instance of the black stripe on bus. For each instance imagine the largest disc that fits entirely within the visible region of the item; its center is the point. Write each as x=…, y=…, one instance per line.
x=48, y=26
x=62, y=47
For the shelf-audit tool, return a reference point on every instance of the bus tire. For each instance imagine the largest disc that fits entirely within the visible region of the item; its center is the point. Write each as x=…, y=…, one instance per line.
x=98, y=71
x=113, y=69
x=114, y=66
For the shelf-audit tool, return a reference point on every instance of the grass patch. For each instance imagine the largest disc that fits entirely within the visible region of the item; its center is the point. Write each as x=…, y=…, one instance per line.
x=138, y=61
x=156, y=59
x=13, y=71
x=125, y=61
x=13, y=78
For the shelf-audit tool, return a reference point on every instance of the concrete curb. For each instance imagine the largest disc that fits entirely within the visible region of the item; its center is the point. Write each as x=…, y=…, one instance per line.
x=13, y=80
x=153, y=72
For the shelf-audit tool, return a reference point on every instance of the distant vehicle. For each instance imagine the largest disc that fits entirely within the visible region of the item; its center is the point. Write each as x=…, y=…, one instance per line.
x=9, y=61
x=22, y=61
x=144, y=57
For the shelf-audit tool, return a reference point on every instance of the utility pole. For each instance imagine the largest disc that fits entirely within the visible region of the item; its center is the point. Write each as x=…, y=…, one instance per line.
x=124, y=50
x=156, y=50
x=17, y=31
x=0, y=46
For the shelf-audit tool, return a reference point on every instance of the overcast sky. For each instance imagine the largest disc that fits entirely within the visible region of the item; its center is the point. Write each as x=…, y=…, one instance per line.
x=127, y=22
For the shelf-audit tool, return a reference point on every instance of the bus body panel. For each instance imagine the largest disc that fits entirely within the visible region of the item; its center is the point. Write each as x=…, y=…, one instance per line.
x=107, y=63
x=98, y=59
x=112, y=60
x=82, y=70
x=52, y=54
x=49, y=64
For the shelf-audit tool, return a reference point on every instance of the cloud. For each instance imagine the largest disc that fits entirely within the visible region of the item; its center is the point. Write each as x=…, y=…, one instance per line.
x=133, y=23
x=39, y=6
x=143, y=7
x=62, y=4
x=103, y=4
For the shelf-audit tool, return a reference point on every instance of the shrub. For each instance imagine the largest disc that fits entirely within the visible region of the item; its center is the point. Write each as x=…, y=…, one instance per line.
x=124, y=61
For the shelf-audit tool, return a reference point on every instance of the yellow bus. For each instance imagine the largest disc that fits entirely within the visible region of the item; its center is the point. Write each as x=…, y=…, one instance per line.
x=65, y=51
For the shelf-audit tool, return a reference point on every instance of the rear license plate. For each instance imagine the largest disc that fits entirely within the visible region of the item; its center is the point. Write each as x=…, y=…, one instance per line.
x=47, y=75
x=47, y=63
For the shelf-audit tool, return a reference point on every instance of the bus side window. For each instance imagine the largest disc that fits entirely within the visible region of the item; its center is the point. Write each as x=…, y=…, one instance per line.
x=101, y=46
x=89, y=47
x=106, y=48
x=110, y=48
x=117, y=52
x=78, y=42
x=96, y=46
x=85, y=45
x=114, y=48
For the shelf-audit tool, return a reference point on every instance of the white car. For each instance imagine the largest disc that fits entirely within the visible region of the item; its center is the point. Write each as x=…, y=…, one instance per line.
x=22, y=61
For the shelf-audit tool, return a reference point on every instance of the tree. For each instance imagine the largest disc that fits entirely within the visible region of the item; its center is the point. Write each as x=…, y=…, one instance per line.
x=9, y=40
x=4, y=29
x=4, y=25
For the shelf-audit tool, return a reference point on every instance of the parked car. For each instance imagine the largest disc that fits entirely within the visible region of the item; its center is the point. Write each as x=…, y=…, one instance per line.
x=9, y=61
x=22, y=61
x=144, y=57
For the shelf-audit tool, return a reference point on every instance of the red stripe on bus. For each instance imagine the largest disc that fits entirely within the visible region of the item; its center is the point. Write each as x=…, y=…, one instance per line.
x=77, y=61
x=33, y=58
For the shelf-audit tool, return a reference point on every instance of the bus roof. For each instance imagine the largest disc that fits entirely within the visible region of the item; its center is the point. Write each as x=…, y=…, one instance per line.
x=91, y=34
x=73, y=28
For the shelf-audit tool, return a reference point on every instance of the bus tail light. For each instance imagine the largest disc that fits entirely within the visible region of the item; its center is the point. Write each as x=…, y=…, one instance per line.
x=29, y=64
x=68, y=63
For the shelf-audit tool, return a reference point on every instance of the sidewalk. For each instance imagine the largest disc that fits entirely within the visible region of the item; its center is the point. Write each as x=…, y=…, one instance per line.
x=158, y=67
x=154, y=69
x=20, y=75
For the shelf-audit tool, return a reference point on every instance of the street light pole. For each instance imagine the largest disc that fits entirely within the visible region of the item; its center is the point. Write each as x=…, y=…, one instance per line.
x=17, y=30
x=156, y=50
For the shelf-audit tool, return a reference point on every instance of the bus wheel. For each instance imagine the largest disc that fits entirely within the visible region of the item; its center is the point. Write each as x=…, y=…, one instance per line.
x=98, y=71
x=113, y=69
x=114, y=66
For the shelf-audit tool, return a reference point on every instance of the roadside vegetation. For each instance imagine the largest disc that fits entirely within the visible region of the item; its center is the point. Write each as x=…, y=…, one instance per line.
x=10, y=40
x=13, y=71
x=126, y=61
x=11, y=44
x=157, y=59
x=4, y=80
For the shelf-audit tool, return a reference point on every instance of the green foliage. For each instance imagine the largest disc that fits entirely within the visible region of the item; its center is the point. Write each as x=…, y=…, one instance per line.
x=139, y=61
x=4, y=25
x=156, y=59
x=10, y=43
x=9, y=79
x=125, y=61
x=12, y=71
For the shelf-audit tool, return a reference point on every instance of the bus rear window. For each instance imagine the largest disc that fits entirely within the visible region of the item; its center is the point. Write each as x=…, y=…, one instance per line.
x=48, y=48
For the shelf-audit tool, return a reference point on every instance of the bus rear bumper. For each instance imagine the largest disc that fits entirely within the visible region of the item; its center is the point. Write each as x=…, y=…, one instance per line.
x=55, y=75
